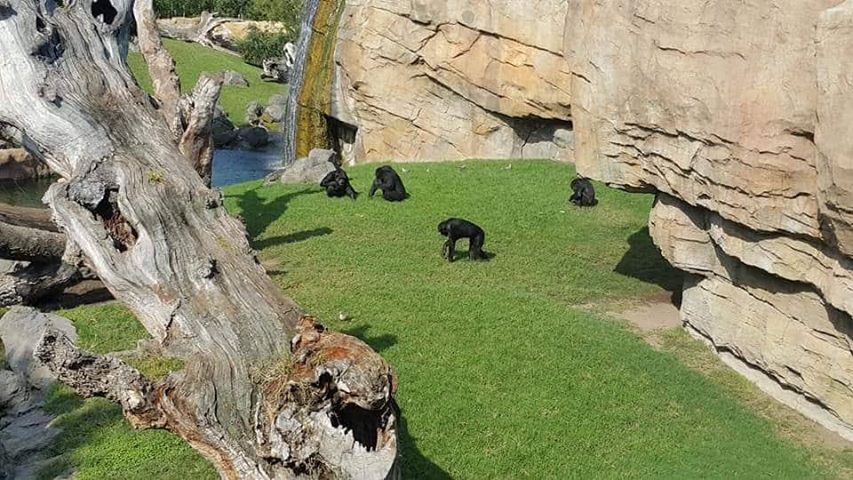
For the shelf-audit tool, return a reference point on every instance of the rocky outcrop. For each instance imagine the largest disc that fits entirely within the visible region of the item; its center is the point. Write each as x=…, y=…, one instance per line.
x=735, y=113
x=426, y=80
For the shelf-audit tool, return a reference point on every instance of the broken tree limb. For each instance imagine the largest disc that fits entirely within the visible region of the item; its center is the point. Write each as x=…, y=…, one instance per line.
x=189, y=117
x=30, y=244
x=161, y=66
x=198, y=110
x=29, y=283
x=163, y=244
x=29, y=235
x=38, y=218
x=99, y=376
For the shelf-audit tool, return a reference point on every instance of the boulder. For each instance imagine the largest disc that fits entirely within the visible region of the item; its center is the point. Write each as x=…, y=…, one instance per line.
x=273, y=114
x=234, y=79
x=224, y=133
x=254, y=138
x=254, y=111
x=311, y=169
x=278, y=99
x=20, y=329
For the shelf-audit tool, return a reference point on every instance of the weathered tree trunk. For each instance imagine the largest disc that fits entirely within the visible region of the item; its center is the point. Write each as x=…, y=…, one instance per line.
x=266, y=393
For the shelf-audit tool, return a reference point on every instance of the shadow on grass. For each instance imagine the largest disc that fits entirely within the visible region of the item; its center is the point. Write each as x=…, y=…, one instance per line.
x=414, y=463
x=644, y=261
x=259, y=213
x=87, y=292
x=378, y=343
x=292, y=238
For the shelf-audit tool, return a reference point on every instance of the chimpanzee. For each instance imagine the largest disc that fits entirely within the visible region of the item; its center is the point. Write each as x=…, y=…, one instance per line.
x=456, y=228
x=389, y=182
x=337, y=184
x=583, y=195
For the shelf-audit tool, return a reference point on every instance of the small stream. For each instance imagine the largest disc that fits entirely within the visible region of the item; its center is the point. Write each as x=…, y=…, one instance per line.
x=229, y=167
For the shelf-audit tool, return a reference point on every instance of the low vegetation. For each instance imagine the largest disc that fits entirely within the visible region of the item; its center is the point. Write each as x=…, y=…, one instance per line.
x=193, y=59
x=507, y=368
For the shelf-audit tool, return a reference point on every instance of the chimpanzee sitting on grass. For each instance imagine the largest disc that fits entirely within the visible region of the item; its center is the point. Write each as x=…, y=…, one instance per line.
x=456, y=228
x=390, y=183
x=583, y=194
x=337, y=184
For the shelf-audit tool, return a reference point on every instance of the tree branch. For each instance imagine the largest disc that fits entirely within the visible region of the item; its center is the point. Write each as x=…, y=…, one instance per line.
x=198, y=110
x=30, y=244
x=99, y=376
x=161, y=66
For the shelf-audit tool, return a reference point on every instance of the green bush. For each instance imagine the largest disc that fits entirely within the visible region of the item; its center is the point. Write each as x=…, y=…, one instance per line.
x=273, y=10
x=192, y=8
x=258, y=46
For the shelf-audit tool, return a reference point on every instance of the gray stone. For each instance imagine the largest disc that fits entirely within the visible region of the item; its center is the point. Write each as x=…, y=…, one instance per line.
x=274, y=113
x=234, y=79
x=20, y=329
x=278, y=100
x=312, y=169
x=12, y=386
x=254, y=137
x=224, y=133
x=254, y=110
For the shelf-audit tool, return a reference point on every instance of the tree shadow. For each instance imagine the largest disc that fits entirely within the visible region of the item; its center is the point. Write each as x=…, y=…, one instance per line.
x=292, y=238
x=644, y=261
x=377, y=343
x=413, y=463
x=258, y=213
x=87, y=292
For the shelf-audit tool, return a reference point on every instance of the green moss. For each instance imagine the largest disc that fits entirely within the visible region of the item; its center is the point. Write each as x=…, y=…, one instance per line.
x=156, y=368
x=315, y=98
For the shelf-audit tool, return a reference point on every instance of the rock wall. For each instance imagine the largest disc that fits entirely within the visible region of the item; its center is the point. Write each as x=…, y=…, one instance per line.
x=736, y=112
x=430, y=80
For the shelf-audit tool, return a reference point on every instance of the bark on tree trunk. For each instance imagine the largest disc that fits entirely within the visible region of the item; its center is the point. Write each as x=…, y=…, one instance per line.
x=266, y=392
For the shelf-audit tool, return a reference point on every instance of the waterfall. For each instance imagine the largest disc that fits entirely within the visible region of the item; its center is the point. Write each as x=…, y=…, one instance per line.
x=297, y=80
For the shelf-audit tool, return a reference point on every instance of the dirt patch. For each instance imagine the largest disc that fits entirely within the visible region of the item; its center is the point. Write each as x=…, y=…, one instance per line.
x=660, y=312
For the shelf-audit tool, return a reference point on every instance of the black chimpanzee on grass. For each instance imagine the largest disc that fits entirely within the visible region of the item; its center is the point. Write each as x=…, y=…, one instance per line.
x=337, y=184
x=389, y=182
x=456, y=228
x=583, y=195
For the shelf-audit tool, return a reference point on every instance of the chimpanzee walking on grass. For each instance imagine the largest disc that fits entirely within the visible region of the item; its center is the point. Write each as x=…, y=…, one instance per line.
x=456, y=228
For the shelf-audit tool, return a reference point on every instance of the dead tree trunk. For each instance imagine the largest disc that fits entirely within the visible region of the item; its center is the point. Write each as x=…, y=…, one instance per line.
x=30, y=238
x=266, y=393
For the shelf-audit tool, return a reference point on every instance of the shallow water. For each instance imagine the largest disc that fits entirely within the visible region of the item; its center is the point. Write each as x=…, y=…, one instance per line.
x=238, y=166
x=229, y=167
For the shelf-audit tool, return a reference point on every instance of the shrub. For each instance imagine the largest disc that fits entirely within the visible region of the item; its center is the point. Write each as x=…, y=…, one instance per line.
x=258, y=46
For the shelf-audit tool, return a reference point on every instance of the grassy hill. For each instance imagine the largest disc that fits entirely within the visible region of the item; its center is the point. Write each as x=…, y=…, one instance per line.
x=508, y=368
x=193, y=59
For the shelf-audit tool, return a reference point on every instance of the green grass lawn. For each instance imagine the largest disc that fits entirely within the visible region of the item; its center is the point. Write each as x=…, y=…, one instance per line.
x=506, y=368
x=192, y=59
